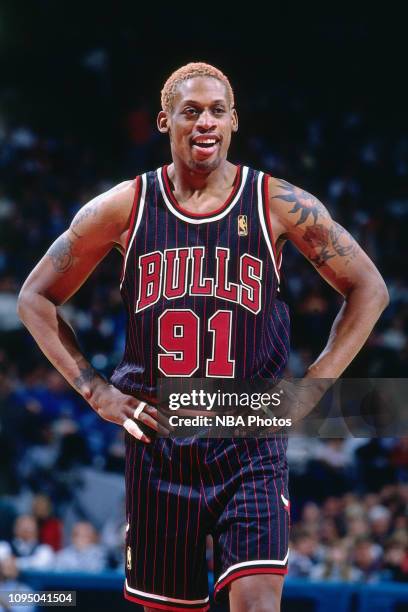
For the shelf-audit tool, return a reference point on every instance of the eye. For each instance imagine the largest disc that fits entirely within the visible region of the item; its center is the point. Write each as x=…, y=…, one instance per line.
x=189, y=111
x=219, y=110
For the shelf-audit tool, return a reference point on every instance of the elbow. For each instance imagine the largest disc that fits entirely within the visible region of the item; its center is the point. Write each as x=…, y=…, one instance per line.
x=383, y=296
x=24, y=301
x=379, y=296
x=373, y=293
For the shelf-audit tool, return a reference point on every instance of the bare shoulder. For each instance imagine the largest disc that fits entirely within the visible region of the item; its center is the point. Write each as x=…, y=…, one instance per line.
x=110, y=211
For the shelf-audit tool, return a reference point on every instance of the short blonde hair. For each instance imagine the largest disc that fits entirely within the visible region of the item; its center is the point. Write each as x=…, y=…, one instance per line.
x=189, y=71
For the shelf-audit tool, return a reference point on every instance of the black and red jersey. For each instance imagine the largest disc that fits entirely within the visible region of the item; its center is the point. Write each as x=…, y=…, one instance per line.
x=201, y=291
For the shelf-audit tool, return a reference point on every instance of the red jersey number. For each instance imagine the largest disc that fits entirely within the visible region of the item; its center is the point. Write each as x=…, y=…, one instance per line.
x=179, y=337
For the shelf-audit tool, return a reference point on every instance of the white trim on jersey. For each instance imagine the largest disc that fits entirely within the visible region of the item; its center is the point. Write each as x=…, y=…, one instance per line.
x=255, y=563
x=264, y=226
x=164, y=598
x=198, y=221
x=138, y=220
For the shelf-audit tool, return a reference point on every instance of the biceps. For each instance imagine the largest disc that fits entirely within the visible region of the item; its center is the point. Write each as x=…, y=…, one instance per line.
x=322, y=242
x=333, y=252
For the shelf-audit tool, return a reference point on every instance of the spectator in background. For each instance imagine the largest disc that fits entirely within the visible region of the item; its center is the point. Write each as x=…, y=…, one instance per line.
x=356, y=528
x=84, y=554
x=336, y=566
x=328, y=532
x=303, y=554
x=380, y=523
x=9, y=582
x=366, y=559
x=26, y=547
x=50, y=528
x=311, y=517
x=395, y=562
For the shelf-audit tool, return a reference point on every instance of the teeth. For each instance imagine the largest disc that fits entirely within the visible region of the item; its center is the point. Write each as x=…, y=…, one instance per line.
x=206, y=141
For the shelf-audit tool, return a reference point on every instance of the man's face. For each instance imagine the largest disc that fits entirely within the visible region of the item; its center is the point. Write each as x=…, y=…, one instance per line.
x=26, y=528
x=200, y=124
x=83, y=536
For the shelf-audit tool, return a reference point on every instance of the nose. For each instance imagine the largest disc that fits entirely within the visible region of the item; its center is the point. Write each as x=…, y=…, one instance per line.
x=205, y=121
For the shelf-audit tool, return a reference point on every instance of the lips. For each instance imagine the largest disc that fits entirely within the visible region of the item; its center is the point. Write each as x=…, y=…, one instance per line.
x=205, y=146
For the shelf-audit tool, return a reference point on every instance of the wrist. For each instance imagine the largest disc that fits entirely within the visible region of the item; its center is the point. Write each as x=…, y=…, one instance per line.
x=97, y=391
x=89, y=383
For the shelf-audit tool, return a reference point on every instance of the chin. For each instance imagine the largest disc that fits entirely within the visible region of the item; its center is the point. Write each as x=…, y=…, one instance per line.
x=205, y=166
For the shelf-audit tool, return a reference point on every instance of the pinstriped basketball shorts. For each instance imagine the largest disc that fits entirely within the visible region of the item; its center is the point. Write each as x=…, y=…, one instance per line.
x=180, y=490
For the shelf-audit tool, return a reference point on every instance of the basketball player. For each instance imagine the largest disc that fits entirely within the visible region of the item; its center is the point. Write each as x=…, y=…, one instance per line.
x=202, y=245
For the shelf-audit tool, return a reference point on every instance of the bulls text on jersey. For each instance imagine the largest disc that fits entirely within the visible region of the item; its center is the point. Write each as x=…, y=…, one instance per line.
x=174, y=273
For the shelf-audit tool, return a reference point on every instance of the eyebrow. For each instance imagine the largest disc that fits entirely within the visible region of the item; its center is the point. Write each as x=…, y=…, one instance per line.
x=195, y=102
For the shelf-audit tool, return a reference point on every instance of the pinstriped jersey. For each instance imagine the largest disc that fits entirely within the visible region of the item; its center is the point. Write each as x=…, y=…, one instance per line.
x=201, y=291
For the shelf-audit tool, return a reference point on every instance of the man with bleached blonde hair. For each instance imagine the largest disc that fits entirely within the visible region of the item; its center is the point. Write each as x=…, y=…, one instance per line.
x=202, y=242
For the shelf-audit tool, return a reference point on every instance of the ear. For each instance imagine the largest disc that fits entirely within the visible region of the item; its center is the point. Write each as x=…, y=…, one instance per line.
x=162, y=122
x=234, y=118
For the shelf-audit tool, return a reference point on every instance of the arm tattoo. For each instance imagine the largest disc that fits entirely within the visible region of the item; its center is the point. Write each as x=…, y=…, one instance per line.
x=61, y=254
x=329, y=242
x=318, y=236
x=84, y=213
x=343, y=243
x=325, y=241
x=87, y=375
x=302, y=201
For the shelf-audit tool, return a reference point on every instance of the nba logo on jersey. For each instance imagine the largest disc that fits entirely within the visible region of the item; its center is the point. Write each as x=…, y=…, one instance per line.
x=242, y=225
x=129, y=558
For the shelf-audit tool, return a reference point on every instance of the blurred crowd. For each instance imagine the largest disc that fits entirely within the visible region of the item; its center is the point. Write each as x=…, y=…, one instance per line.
x=355, y=167
x=353, y=538
x=36, y=541
x=357, y=529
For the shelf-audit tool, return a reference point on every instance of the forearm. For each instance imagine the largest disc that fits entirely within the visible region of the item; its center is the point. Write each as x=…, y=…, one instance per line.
x=349, y=332
x=58, y=342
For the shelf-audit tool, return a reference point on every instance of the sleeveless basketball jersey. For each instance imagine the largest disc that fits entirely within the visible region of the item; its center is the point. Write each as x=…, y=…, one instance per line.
x=201, y=291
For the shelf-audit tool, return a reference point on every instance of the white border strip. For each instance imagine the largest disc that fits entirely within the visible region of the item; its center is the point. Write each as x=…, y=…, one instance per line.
x=252, y=564
x=222, y=214
x=263, y=224
x=138, y=220
x=169, y=599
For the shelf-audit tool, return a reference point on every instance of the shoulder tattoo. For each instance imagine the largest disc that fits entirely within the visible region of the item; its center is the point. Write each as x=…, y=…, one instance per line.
x=302, y=202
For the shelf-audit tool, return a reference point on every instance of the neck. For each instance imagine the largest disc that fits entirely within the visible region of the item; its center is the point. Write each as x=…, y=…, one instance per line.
x=187, y=181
